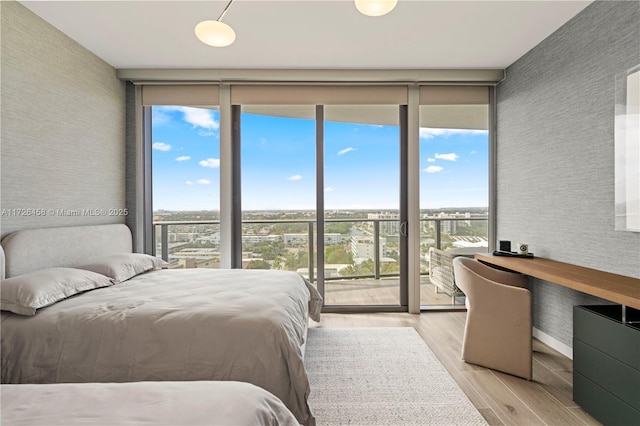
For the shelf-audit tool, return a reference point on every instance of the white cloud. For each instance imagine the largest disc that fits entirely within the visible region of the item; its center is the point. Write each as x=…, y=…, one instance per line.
x=295, y=177
x=431, y=160
x=204, y=181
x=449, y=157
x=200, y=117
x=197, y=117
x=212, y=163
x=188, y=182
x=161, y=146
x=328, y=189
x=434, y=169
x=183, y=158
x=429, y=133
x=344, y=151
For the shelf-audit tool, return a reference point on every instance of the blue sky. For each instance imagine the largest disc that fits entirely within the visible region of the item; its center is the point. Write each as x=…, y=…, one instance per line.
x=278, y=164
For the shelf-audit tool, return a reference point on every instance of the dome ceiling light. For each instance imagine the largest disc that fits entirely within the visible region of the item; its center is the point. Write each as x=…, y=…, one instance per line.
x=375, y=7
x=216, y=33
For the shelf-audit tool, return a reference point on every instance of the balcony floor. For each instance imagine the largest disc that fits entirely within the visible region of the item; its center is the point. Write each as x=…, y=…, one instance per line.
x=384, y=291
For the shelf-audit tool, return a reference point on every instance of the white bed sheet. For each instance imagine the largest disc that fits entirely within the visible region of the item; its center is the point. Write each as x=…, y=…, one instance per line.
x=172, y=325
x=142, y=403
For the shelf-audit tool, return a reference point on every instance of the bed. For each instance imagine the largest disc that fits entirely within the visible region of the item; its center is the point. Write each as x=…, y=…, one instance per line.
x=142, y=403
x=157, y=325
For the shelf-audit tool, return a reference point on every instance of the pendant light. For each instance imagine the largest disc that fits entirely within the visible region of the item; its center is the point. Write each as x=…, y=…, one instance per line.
x=375, y=7
x=216, y=33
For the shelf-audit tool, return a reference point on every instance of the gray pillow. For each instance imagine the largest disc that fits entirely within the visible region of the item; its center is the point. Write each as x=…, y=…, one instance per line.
x=28, y=292
x=122, y=266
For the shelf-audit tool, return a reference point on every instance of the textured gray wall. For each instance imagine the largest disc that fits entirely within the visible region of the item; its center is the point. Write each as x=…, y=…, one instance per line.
x=63, y=124
x=555, y=138
x=131, y=164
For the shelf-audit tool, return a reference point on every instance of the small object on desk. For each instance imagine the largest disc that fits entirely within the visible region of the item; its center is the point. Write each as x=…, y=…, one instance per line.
x=523, y=248
x=511, y=254
x=505, y=245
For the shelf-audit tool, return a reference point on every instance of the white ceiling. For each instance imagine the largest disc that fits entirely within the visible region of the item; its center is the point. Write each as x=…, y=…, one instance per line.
x=310, y=34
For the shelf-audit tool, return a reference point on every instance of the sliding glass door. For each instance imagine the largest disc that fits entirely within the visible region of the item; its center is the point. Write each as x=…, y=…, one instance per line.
x=362, y=210
x=321, y=195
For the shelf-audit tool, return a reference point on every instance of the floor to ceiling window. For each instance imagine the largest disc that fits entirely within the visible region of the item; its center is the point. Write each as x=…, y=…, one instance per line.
x=184, y=141
x=278, y=186
x=454, y=185
x=317, y=179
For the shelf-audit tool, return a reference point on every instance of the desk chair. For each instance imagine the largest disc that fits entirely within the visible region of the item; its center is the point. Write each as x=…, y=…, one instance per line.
x=498, y=329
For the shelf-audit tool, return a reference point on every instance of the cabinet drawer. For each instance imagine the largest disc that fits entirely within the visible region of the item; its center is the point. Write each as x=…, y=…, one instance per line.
x=601, y=332
x=601, y=404
x=612, y=375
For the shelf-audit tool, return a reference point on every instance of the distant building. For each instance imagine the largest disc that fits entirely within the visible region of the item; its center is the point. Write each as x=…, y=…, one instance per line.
x=252, y=239
x=389, y=222
x=188, y=263
x=195, y=258
x=363, y=246
x=330, y=270
x=302, y=239
x=182, y=237
x=213, y=238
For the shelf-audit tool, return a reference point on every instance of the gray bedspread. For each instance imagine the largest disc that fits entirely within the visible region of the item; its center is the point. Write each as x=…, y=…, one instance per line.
x=142, y=403
x=194, y=324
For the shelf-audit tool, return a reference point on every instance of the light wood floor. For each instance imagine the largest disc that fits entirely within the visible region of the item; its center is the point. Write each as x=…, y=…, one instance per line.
x=502, y=399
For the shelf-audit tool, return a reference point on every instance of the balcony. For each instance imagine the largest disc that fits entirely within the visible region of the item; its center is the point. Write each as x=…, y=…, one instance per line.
x=361, y=254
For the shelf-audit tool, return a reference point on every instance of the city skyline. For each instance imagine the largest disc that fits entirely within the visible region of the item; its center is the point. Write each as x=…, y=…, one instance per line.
x=278, y=164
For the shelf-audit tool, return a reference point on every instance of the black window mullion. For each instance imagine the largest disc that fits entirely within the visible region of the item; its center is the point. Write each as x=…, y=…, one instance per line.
x=403, y=240
x=320, y=197
x=236, y=203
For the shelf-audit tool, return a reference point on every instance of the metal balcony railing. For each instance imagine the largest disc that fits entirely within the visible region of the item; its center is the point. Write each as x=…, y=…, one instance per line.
x=371, y=228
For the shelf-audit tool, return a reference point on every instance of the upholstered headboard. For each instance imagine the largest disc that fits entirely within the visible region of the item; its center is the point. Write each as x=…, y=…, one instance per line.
x=1, y=263
x=33, y=249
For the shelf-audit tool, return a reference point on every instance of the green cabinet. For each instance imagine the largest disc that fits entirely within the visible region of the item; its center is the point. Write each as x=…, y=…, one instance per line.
x=606, y=363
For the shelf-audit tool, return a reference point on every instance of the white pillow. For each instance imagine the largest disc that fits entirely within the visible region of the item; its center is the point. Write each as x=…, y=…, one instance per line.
x=120, y=267
x=28, y=292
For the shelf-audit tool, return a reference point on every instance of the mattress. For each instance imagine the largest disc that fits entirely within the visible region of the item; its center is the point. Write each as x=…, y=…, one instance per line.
x=142, y=403
x=172, y=325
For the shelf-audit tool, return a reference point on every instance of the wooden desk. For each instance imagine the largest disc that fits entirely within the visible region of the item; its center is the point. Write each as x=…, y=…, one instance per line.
x=613, y=287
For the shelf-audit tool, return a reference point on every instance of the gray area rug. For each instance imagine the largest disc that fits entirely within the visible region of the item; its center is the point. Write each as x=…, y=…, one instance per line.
x=381, y=376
